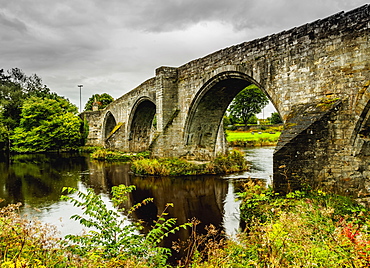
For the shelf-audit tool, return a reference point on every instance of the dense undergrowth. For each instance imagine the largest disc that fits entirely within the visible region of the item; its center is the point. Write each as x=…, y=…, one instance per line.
x=232, y=161
x=107, y=155
x=302, y=229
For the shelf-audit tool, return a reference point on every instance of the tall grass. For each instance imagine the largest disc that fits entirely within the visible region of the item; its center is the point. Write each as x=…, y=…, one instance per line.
x=250, y=138
x=233, y=161
x=107, y=155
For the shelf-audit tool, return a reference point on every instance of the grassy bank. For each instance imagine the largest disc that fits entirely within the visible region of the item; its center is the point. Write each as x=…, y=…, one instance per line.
x=233, y=161
x=107, y=155
x=252, y=138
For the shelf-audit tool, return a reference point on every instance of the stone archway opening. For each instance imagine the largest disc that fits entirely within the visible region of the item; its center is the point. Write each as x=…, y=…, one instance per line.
x=204, y=133
x=110, y=123
x=142, y=126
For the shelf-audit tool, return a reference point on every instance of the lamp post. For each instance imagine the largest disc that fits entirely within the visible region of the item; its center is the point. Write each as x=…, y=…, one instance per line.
x=80, y=86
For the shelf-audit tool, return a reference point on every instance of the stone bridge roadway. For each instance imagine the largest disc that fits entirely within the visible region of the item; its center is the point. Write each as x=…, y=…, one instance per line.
x=316, y=75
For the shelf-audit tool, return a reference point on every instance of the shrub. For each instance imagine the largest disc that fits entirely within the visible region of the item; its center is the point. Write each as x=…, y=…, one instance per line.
x=233, y=161
x=106, y=155
x=112, y=237
x=25, y=242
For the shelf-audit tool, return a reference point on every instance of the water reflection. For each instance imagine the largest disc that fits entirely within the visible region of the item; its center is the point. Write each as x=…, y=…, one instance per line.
x=36, y=180
x=200, y=197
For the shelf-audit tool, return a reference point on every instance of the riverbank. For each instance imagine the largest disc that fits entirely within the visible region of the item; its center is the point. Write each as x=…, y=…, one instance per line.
x=307, y=228
x=107, y=155
x=260, y=137
x=302, y=229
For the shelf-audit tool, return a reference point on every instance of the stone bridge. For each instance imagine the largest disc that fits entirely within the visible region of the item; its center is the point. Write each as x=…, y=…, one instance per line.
x=316, y=75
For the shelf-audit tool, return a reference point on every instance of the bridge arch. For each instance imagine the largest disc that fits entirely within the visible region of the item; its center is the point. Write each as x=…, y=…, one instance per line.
x=203, y=123
x=140, y=124
x=109, y=124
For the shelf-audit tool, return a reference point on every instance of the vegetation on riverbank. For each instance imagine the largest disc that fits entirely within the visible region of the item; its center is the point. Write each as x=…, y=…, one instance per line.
x=302, y=229
x=107, y=155
x=232, y=161
x=259, y=137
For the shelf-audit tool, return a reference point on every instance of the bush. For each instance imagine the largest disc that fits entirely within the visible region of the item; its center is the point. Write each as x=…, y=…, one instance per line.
x=106, y=155
x=112, y=237
x=25, y=242
x=233, y=161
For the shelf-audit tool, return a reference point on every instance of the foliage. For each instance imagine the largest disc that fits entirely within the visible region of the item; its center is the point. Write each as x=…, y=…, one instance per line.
x=302, y=229
x=253, y=119
x=102, y=100
x=233, y=161
x=15, y=88
x=275, y=118
x=199, y=248
x=307, y=228
x=104, y=154
x=248, y=102
x=112, y=236
x=111, y=243
x=27, y=243
x=47, y=125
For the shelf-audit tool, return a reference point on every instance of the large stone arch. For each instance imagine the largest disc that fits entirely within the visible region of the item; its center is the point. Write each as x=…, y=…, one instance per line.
x=109, y=124
x=140, y=124
x=203, y=123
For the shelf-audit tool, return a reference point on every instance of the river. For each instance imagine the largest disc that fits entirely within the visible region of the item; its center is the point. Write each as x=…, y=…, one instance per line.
x=37, y=180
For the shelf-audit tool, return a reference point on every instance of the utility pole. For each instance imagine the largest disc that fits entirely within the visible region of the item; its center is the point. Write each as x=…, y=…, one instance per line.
x=80, y=86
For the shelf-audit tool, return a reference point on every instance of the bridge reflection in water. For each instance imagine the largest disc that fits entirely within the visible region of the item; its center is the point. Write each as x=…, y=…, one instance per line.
x=200, y=197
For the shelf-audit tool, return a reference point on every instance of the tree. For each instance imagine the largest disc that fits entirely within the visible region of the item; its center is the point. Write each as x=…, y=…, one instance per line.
x=15, y=88
x=248, y=102
x=275, y=118
x=253, y=119
x=102, y=100
x=47, y=125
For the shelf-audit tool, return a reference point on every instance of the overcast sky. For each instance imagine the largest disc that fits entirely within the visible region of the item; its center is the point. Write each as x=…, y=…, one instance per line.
x=113, y=46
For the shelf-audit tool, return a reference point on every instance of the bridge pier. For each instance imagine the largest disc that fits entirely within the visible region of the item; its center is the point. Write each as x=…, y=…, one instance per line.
x=316, y=151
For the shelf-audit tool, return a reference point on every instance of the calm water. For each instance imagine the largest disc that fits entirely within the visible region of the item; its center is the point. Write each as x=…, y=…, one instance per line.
x=36, y=181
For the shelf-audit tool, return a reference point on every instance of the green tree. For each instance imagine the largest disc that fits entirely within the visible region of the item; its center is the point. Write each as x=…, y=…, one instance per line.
x=275, y=118
x=47, y=125
x=102, y=100
x=253, y=119
x=15, y=88
x=248, y=102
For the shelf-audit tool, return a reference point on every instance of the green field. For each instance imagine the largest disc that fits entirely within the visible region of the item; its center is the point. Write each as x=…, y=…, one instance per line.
x=241, y=135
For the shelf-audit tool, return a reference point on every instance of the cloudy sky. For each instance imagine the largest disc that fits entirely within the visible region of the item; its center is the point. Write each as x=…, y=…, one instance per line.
x=113, y=46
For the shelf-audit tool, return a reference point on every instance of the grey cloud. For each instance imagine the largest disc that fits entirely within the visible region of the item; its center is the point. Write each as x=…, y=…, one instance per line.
x=170, y=15
x=117, y=44
x=11, y=27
